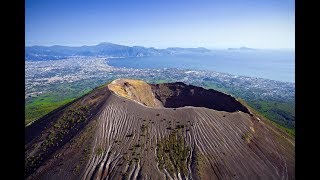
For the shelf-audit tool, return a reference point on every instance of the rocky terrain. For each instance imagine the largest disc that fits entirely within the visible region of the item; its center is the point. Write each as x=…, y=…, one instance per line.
x=133, y=130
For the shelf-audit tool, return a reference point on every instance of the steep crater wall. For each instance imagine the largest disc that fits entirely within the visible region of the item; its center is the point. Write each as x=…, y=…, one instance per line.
x=174, y=95
x=135, y=90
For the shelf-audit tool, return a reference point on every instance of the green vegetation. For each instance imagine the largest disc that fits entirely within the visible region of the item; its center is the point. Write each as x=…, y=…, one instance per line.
x=216, y=87
x=65, y=124
x=143, y=129
x=247, y=137
x=61, y=128
x=76, y=169
x=85, y=154
x=290, y=131
x=199, y=161
x=32, y=162
x=280, y=111
x=99, y=151
x=42, y=105
x=85, y=141
x=172, y=153
x=58, y=95
x=158, y=81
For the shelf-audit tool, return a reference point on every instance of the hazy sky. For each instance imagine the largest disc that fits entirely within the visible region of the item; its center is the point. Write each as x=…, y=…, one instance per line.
x=162, y=23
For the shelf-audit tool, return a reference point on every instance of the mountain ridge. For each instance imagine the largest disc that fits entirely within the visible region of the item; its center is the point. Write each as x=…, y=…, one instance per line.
x=55, y=52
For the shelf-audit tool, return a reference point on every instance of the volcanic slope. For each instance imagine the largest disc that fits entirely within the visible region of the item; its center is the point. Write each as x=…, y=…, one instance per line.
x=133, y=130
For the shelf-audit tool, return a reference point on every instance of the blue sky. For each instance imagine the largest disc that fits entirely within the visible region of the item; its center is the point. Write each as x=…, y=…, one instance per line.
x=162, y=23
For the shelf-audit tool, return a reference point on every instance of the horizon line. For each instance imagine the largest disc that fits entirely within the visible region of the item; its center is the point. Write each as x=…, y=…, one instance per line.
x=239, y=47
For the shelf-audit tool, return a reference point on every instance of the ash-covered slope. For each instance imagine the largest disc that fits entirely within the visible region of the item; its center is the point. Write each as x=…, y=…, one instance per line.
x=115, y=137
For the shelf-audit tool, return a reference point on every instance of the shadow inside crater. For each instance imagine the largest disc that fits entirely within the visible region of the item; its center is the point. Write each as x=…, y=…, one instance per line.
x=174, y=95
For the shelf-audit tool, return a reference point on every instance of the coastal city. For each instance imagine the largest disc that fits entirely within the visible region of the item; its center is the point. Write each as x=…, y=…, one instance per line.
x=40, y=75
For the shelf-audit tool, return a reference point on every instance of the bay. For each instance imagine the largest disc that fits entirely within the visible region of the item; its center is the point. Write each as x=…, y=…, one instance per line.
x=269, y=64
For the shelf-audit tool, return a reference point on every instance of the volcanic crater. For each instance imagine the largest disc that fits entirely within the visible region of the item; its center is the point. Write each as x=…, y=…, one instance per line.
x=130, y=129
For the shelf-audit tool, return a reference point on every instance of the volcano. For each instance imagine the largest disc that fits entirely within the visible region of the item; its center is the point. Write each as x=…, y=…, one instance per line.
x=129, y=129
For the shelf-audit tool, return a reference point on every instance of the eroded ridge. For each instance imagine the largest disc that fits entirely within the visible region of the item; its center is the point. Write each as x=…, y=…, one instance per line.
x=136, y=90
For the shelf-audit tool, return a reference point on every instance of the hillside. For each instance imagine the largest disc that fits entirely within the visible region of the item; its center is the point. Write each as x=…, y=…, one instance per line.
x=129, y=129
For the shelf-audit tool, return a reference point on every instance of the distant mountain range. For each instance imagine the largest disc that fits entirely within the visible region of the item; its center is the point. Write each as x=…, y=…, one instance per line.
x=243, y=48
x=42, y=53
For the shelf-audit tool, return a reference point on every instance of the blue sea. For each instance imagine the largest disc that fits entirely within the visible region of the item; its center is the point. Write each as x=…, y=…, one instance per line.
x=270, y=64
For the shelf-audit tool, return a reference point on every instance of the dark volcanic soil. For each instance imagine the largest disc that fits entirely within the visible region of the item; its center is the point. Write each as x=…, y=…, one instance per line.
x=174, y=95
x=124, y=139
